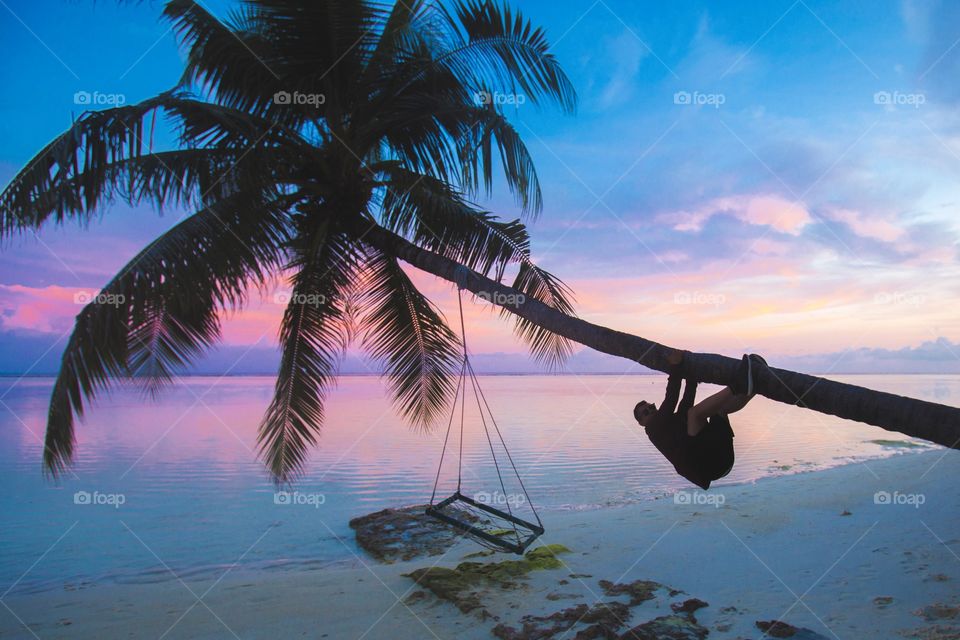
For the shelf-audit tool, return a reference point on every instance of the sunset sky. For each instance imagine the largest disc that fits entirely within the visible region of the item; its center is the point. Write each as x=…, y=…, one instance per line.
x=783, y=179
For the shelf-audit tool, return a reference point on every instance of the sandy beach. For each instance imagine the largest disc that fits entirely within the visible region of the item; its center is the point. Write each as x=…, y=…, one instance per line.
x=822, y=551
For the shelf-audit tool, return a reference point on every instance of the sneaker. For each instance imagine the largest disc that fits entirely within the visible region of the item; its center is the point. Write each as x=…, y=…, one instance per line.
x=743, y=382
x=758, y=365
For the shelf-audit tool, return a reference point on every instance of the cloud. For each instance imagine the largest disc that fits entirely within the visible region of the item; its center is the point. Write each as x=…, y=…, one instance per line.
x=627, y=53
x=934, y=356
x=45, y=309
x=867, y=227
x=773, y=211
x=916, y=18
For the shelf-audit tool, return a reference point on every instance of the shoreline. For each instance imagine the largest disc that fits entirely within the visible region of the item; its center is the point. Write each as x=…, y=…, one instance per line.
x=817, y=536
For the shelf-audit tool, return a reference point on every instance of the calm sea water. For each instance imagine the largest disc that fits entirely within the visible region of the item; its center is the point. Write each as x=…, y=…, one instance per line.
x=174, y=486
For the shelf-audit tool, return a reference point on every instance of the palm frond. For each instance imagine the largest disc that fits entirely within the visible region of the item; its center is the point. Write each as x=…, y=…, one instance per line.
x=320, y=46
x=313, y=337
x=494, y=46
x=166, y=336
x=405, y=332
x=475, y=148
x=404, y=30
x=163, y=179
x=535, y=283
x=230, y=59
x=160, y=311
x=84, y=153
x=434, y=216
x=104, y=155
x=94, y=354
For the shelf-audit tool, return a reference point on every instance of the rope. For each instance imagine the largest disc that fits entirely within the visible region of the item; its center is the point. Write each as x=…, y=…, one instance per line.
x=436, y=481
x=460, y=275
x=509, y=457
x=463, y=379
x=476, y=394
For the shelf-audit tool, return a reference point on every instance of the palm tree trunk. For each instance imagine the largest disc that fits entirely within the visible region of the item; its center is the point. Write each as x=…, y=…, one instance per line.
x=917, y=418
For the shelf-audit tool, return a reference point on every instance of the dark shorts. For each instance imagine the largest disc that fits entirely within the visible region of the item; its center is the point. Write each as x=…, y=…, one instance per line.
x=712, y=448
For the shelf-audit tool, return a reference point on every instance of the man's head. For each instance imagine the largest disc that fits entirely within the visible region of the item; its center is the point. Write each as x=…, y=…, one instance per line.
x=644, y=411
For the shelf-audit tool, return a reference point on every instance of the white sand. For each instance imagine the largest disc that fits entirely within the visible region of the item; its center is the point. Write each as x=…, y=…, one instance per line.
x=780, y=548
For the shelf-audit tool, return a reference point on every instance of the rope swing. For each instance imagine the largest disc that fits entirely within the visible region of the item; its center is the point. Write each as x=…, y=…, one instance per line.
x=485, y=523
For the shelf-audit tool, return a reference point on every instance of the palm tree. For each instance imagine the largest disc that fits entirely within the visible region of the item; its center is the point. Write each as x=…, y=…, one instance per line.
x=325, y=142
x=300, y=123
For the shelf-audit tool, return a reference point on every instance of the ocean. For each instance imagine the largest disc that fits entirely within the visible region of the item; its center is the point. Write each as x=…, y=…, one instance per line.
x=173, y=487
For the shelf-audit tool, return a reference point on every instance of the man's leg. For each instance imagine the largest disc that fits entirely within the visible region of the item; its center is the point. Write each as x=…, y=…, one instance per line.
x=723, y=402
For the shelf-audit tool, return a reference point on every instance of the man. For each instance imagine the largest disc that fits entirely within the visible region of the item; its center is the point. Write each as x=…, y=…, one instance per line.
x=697, y=439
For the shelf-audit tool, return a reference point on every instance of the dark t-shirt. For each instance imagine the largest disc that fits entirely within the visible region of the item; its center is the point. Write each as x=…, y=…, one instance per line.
x=668, y=431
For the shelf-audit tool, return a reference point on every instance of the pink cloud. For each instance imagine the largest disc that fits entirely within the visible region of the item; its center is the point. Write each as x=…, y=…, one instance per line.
x=769, y=247
x=47, y=309
x=773, y=211
x=872, y=227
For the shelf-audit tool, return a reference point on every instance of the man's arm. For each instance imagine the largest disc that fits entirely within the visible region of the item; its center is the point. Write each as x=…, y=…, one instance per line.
x=689, y=395
x=669, y=404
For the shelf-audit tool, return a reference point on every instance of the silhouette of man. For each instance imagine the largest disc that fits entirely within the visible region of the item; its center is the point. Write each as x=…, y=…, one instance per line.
x=697, y=438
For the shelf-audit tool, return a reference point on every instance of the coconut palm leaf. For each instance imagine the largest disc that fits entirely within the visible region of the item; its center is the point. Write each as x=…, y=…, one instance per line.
x=494, y=46
x=161, y=310
x=538, y=284
x=431, y=214
x=104, y=155
x=428, y=212
x=313, y=337
x=228, y=59
x=410, y=337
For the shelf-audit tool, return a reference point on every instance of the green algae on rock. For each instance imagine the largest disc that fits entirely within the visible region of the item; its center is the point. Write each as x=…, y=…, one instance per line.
x=462, y=584
x=906, y=444
x=938, y=611
x=638, y=590
x=602, y=620
x=689, y=606
x=780, y=629
x=675, y=627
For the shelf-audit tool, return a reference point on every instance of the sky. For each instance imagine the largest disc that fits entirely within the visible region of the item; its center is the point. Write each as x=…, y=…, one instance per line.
x=777, y=176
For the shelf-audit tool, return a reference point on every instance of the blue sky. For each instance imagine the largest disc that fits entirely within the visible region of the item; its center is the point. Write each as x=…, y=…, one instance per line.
x=803, y=202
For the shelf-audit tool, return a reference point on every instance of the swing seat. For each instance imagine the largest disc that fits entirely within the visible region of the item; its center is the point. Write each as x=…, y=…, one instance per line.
x=488, y=525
